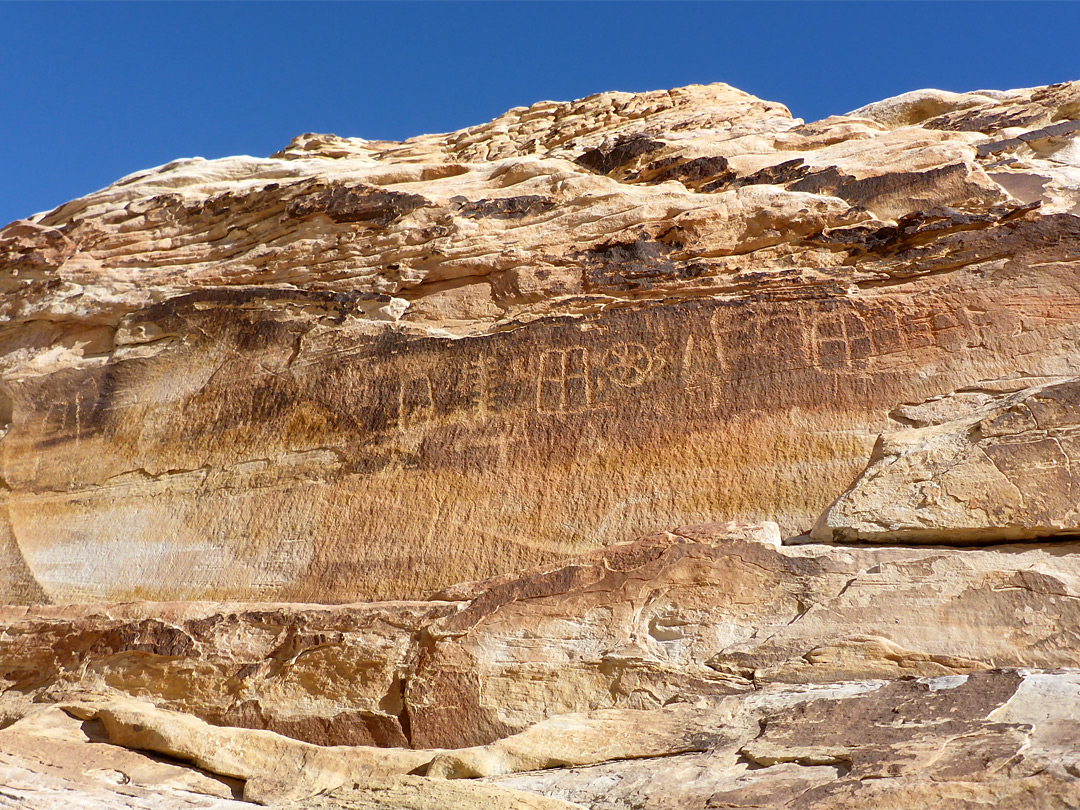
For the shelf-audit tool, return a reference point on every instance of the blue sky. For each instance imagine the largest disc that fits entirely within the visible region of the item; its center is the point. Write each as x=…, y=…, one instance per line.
x=90, y=92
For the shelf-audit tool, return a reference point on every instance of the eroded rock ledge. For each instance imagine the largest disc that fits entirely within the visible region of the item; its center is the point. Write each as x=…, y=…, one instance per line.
x=805, y=676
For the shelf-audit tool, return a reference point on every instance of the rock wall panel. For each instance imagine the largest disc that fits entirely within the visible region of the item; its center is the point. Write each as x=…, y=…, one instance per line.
x=368, y=370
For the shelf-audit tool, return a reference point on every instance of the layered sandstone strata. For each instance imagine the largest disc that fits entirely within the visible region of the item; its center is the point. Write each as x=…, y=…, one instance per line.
x=368, y=370
x=700, y=613
x=396, y=438
x=708, y=667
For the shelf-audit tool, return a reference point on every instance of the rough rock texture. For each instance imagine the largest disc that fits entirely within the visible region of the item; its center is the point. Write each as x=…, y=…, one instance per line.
x=956, y=742
x=1002, y=468
x=702, y=613
x=396, y=436
x=51, y=760
x=712, y=650
x=325, y=675
x=368, y=370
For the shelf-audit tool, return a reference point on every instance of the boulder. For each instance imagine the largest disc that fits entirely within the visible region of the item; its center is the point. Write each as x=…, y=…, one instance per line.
x=1008, y=469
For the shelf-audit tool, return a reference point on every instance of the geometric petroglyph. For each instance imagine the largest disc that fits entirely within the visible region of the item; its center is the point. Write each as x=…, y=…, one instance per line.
x=563, y=383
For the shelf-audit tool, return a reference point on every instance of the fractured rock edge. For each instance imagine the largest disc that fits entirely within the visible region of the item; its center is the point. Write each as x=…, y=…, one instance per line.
x=1007, y=470
x=702, y=612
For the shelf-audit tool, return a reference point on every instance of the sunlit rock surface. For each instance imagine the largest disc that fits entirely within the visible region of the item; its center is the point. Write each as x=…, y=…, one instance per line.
x=1004, y=468
x=646, y=451
x=798, y=676
x=368, y=370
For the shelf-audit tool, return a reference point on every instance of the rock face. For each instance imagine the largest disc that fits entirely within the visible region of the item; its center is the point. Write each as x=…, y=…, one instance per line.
x=704, y=612
x=645, y=452
x=369, y=370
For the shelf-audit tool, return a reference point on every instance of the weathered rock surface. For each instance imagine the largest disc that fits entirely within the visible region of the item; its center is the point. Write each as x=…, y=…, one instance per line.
x=1001, y=738
x=325, y=675
x=1002, y=469
x=704, y=612
x=960, y=742
x=367, y=370
x=395, y=436
x=51, y=760
x=697, y=646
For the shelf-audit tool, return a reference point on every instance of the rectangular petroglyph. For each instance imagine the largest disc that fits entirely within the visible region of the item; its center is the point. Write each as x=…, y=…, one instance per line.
x=563, y=381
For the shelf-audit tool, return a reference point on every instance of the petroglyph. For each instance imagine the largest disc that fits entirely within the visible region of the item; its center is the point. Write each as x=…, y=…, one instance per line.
x=477, y=374
x=466, y=354
x=563, y=383
x=673, y=366
x=629, y=365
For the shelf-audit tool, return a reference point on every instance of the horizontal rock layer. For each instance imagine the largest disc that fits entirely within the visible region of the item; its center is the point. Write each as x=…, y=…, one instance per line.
x=367, y=370
x=760, y=675
x=700, y=613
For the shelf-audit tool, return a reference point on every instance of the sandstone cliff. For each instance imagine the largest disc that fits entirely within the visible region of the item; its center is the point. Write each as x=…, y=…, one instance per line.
x=644, y=451
x=367, y=370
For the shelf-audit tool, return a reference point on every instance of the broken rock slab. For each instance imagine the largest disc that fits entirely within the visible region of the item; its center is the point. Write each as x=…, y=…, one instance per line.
x=704, y=613
x=1007, y=470
x=274, y=768
x=325, y=674
x=51, y=760
x=999, y=738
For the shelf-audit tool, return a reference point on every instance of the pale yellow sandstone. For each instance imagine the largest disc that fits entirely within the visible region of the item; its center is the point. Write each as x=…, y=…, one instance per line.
x=1006, y=470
